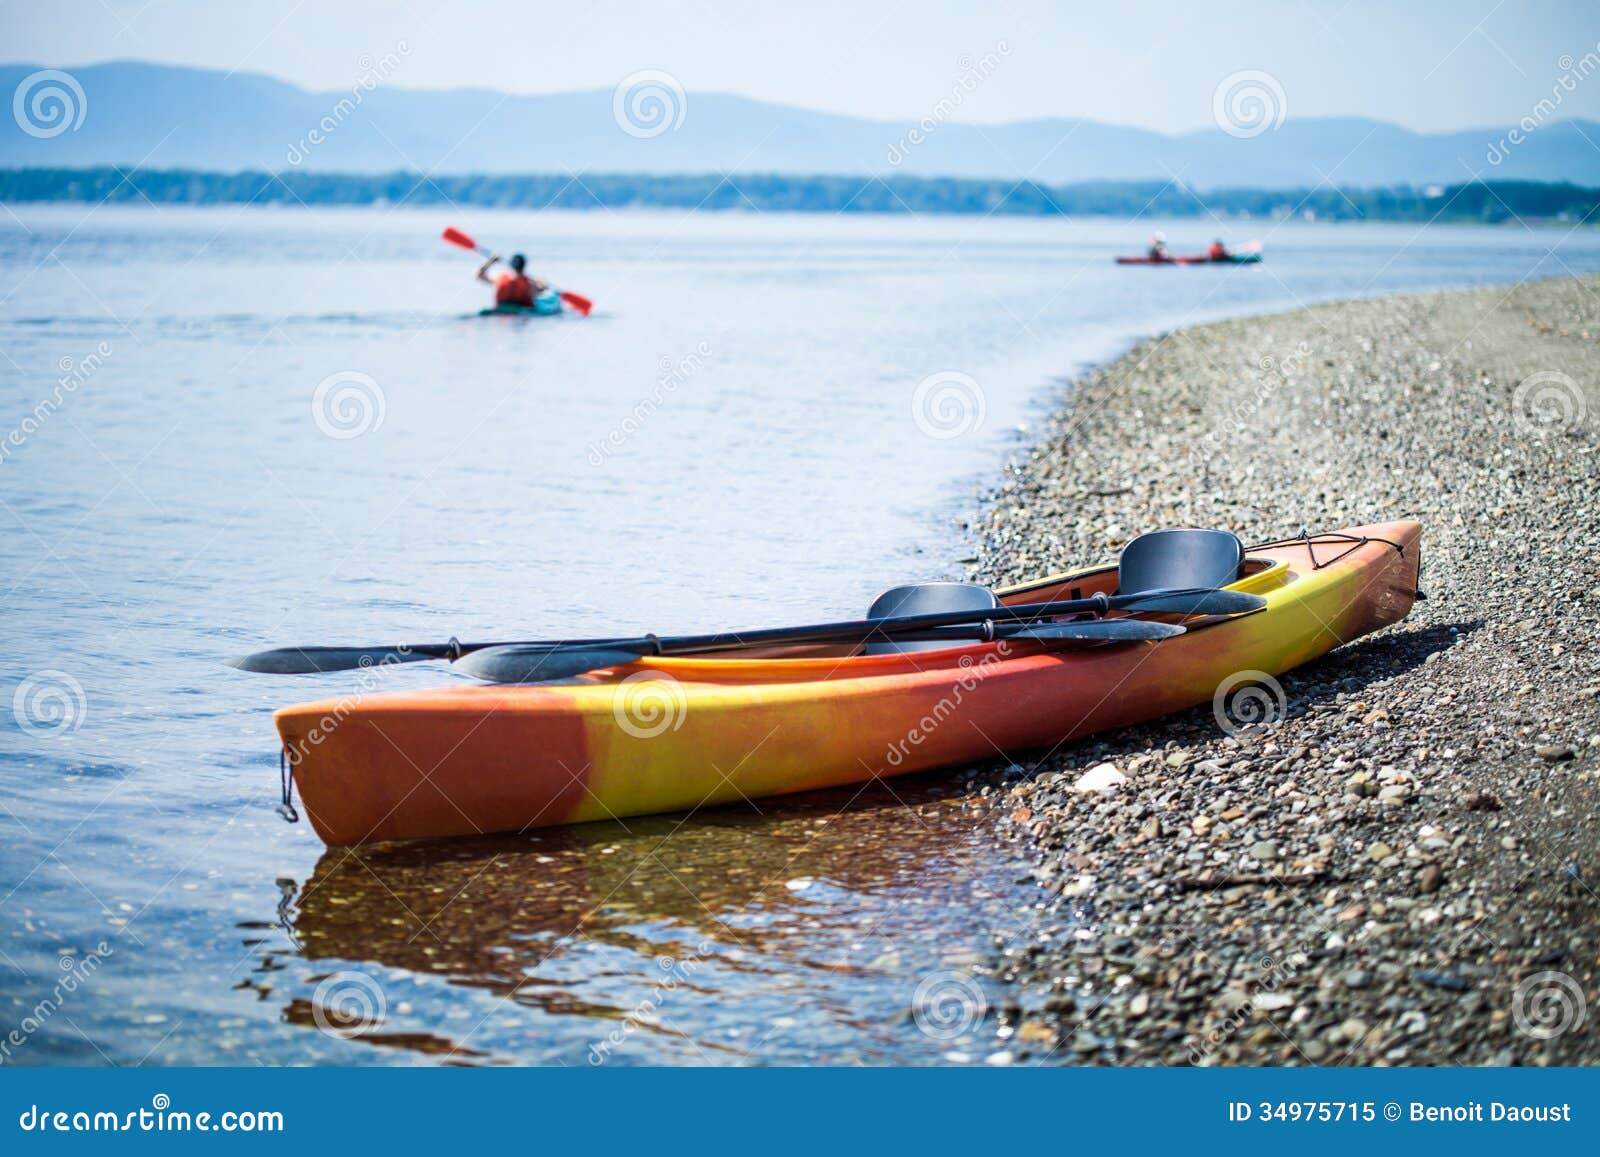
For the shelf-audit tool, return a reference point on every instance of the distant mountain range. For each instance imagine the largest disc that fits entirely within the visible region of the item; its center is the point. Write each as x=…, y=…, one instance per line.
x=182, y=118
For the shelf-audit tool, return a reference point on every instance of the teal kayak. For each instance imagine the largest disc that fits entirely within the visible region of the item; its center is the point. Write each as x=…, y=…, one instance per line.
x=543, y=306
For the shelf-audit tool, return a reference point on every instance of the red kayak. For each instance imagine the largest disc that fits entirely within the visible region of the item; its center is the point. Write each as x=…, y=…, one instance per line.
x=1181, y=259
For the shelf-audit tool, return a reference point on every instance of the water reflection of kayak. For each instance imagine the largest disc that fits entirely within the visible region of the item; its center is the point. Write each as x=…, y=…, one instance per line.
x=545, y=305
x=573, y=927
x=481, y=909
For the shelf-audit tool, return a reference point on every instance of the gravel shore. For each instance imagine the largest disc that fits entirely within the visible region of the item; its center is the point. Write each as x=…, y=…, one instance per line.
x=1402, y=867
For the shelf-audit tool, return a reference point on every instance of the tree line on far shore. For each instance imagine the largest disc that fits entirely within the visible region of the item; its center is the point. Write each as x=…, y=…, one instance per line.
x=1477, y=201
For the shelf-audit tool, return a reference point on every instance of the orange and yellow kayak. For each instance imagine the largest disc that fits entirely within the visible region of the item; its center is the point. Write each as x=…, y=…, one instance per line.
x=682, y=732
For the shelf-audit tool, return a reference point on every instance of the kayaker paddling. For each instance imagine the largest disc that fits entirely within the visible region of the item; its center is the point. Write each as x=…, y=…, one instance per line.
x=1158, y=247
x=515, y=287
x=515, y=292
x=1219, y=251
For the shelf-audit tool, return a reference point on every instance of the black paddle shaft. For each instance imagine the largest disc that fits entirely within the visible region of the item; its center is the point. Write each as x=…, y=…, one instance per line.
x=301, y=660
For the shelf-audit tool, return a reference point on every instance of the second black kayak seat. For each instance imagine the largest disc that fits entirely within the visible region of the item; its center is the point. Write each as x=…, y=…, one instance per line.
x=1176, y=560
x=925, y=599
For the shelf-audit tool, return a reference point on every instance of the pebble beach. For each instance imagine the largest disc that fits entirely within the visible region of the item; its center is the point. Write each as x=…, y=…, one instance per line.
x=1390, y=857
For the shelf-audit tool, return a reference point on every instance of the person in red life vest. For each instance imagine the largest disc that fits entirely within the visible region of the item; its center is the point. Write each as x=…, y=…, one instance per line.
x=514, y=288
x=1218, y=251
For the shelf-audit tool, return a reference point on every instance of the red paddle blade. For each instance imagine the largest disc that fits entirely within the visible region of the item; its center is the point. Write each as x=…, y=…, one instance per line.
x=457, y=237
x=576, y=302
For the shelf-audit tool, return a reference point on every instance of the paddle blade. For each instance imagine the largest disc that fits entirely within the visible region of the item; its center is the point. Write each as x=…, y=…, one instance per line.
x=1099, y=631
x=309, y=660
x=538, y=664
x=1195, y=603
x=577, y=303
x=457, y=237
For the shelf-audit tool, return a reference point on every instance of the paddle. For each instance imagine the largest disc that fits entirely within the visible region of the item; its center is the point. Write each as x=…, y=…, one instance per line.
x=306, y=660
x=538, y=664
x=575, y=301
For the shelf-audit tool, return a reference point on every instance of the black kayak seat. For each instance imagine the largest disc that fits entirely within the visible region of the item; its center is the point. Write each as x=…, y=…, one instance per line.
x=1175, y=560
x=925, y=599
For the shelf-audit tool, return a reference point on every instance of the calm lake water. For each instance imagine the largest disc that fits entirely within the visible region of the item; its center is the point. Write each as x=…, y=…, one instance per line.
x=290, y=426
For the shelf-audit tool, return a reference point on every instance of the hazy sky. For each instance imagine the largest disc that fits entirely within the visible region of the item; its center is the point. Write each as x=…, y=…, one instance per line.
x=1425, y=65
